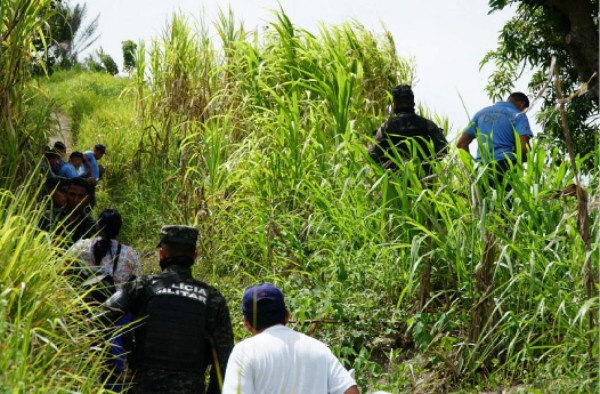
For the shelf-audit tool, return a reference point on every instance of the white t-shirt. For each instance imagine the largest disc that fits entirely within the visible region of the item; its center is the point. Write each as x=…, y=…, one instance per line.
x=280, y=360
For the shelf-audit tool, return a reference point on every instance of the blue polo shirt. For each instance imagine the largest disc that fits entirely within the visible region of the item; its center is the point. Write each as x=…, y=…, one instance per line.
x=495, y=128
x=68, y=171
x=93, y=164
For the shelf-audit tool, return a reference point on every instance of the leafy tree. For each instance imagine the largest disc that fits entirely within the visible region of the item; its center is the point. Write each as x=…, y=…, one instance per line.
x=540, y=30
x=93, y=64
x=65, y=36
x=129, y=48
x=108, y=62
x=101, y=62
x=74, y=36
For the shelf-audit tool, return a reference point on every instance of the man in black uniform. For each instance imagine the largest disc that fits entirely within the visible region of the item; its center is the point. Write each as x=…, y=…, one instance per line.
x=403, y=126
x=185, y=324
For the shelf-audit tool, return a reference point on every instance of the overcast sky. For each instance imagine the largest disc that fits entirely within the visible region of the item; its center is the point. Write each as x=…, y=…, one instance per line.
x=446, y=38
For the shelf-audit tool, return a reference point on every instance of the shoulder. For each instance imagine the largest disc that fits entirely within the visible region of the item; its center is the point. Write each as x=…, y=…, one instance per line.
x=80, y=246
x=210, y=290
x=214, y=297
x=314, y=344
x=430, y=123
x=128, y=251
x=138, y=285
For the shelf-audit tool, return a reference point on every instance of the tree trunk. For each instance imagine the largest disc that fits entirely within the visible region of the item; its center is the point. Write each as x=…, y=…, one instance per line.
x=580, y=35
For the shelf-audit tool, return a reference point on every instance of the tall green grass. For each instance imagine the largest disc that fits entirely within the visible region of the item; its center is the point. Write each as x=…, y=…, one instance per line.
x=49, y=344
x=24, y=119
x=260, y=141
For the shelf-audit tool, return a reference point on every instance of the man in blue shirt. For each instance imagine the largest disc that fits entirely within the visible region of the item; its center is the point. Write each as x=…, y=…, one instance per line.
x=71, y=169
x=61, y=148
x=495, y=128
x=93, y=169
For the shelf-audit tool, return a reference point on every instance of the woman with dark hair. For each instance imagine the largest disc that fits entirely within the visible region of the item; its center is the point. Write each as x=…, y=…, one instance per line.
x=107, y=255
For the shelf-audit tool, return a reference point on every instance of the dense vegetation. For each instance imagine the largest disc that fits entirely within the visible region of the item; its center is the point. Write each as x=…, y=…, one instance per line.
x=543, y=33
x=259, y=141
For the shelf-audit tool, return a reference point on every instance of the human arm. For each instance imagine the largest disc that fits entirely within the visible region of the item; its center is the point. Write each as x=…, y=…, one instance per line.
x=87, y=164
x=93, y=172
x=128, y=267
x=238, y=377
x=464, y=141
x=524, y=139
x=376, y=150
x=525, y=134
x=339, y=380
x=122, y=301
x=221, y=340
x=68, y=171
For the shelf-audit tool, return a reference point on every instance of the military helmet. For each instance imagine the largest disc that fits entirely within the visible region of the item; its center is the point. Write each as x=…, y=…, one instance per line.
x=177, y=234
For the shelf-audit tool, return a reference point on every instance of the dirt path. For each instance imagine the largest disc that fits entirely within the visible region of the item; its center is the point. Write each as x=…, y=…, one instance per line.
x=62, y=132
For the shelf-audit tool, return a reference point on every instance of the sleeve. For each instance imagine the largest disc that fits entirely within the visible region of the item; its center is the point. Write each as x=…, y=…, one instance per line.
x=67, y=172
x=376, y=150
x=471, y=129
x=221, y=340
x=338, y=378
x=82, y=250
x=522, y=125
x=137, y=267
x=82, y=265
x=121, y=302
x=238, y=380
x=95, y=173
x=131, y=265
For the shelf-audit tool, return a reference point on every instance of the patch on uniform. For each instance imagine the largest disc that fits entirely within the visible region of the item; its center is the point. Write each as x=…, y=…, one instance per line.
x=187, y=290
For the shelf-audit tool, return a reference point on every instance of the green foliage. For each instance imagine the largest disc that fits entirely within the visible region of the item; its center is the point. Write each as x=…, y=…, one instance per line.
x=261, y=145
x=528, y=42
x=46, y=336
x=93, y=65
x=21, y=125
x=107, y=61
x=67, y=35
x=79, y=95
x=129, y=49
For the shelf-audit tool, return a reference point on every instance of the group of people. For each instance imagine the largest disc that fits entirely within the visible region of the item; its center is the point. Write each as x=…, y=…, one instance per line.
x=82, y=165
x=181, y=327
x=185, y=327
x=501, y=130
x=71, y=189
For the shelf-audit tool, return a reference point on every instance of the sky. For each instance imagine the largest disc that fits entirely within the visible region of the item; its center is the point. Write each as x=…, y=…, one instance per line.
x=446, y=38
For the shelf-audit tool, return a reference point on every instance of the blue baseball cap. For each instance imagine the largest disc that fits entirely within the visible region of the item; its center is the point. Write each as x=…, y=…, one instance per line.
x=263, y=297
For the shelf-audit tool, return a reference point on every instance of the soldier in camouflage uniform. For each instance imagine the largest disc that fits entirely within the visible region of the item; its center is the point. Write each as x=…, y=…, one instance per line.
x=185, y=324
x=403, y=125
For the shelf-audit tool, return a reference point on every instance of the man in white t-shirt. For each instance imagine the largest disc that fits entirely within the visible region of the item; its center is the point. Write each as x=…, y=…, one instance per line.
x=277, y=359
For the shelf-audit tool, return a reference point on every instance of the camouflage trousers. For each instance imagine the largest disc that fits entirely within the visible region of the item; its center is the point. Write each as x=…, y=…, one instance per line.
x=151, y=381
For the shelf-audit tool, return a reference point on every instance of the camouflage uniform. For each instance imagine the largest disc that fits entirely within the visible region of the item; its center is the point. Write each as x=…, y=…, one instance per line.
x=400, y=127
x=185, y=325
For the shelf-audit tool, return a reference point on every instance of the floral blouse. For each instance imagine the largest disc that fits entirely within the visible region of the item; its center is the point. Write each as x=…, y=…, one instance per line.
x=127, y=266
